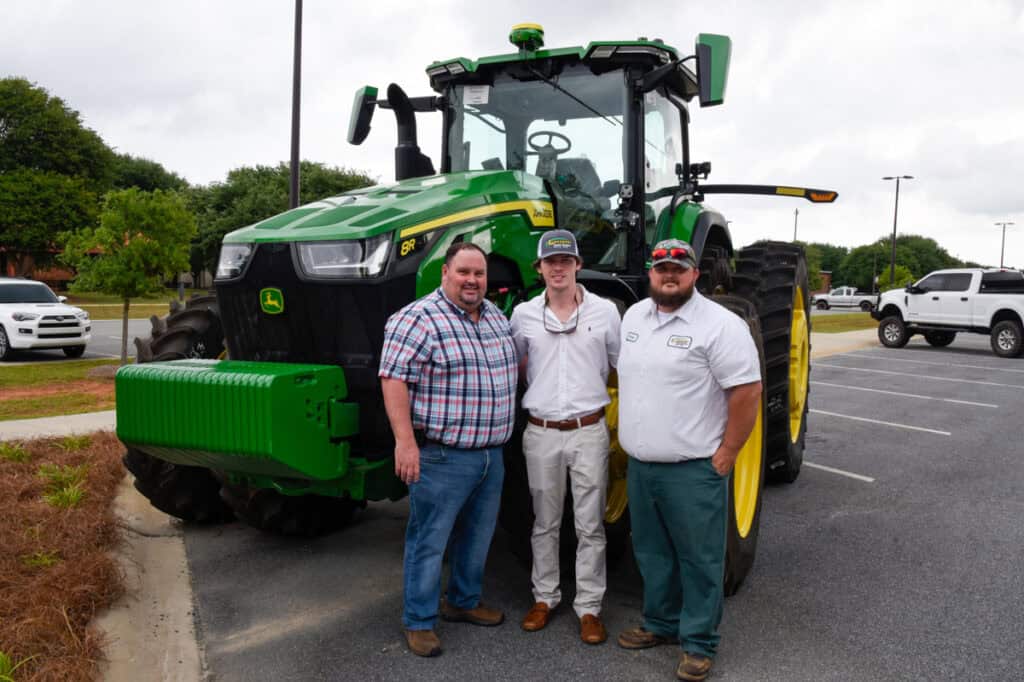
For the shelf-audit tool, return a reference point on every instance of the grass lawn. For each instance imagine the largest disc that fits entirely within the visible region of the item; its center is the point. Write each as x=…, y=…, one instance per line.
x=136, y=311
x=50, y=389
x=56, y=570
x=109, y=307
x=843, y=322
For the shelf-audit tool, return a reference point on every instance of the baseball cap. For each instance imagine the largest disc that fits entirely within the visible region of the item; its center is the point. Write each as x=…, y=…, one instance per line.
x=673, y=251
x=556, y=243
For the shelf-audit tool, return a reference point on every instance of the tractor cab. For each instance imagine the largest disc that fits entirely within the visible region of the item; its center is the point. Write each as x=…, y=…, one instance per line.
x=603, y=126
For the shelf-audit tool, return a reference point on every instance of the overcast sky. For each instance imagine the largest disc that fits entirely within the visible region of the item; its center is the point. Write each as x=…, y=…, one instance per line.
x=829, y=94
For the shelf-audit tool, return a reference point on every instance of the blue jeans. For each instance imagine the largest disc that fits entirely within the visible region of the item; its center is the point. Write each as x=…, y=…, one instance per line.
x=457, y=499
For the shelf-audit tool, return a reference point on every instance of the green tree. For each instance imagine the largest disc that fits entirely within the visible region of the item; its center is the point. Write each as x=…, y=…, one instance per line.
x=252, y=194
x=52, y=172
x=831, y=256
x=814, y=268
x=142, y=239
x=134, y=171
x=903, y=278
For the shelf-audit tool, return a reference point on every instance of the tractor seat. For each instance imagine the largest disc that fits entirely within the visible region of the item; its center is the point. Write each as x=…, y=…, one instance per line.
x=579, y=172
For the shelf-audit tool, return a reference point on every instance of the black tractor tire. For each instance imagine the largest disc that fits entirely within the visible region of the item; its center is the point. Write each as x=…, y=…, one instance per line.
x=301, y=515
x=867, y=306
x=821, y=305
x=73, y=351
x=5, y=346
x=892, y=332
x=773, y=276
x=747, y=477
x=1007, y=339
x=186, y=492
x=939, y=339
x=715, y=271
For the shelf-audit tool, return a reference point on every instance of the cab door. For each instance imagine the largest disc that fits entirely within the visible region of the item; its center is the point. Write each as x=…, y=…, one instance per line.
x=926, y=305
x=956, y=299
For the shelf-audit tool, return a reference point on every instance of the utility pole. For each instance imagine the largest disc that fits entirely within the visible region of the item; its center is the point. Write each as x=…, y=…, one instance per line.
x=1002, y=248
x=796, y=213
x=293, y=197
x=895, y=213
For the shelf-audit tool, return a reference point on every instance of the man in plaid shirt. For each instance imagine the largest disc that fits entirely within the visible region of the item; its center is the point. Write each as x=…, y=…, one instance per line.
x=448, y=373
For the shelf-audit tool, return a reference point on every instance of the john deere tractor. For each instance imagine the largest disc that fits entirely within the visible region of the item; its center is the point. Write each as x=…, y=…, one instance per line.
x=263, y=402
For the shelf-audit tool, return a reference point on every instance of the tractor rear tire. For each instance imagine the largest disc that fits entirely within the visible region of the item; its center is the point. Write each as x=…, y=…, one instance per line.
x=746, y=482
x=715, y=271
x=939, y=339
x=186, y=492
x=302, y=515
x=773, y=276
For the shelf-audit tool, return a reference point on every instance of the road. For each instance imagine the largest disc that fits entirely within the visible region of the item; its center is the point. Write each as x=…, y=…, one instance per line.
x=895, y=555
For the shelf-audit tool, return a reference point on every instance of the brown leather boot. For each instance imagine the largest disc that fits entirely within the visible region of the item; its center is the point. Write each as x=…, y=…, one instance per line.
x=478, y=615
x=638, y=638
x=693, y=667
x=537, y=617
x=423, y=642
x=592, y=630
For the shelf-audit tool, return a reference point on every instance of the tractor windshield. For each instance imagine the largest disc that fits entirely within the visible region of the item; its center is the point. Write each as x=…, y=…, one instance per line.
x=568, y=131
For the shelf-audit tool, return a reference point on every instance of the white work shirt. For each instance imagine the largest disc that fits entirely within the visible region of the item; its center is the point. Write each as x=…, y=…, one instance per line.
x=674, y=370
x=566, y=374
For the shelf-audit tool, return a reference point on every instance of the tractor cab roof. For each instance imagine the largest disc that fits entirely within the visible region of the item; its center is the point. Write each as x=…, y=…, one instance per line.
x=600, y=56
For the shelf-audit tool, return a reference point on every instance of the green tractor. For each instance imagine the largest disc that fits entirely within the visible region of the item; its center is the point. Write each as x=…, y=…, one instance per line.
x=263, y=402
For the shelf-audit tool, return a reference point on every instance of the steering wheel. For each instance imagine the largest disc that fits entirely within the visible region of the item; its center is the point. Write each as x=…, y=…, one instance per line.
x=548, y=148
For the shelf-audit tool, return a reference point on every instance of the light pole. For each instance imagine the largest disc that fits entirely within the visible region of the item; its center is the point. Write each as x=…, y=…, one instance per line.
x=293, y=193
x=1002, y=248
x=796, y=213
x=895, y=213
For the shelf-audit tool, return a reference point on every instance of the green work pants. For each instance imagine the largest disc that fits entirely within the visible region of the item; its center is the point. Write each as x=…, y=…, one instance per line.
x=678, y=514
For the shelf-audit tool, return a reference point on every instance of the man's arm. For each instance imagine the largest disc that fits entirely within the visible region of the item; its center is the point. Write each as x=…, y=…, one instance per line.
x=397, y=406
x=743, y=401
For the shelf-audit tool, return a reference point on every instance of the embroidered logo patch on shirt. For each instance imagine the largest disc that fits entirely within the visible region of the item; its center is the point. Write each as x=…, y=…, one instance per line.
x=632, y=337
x=680, y=341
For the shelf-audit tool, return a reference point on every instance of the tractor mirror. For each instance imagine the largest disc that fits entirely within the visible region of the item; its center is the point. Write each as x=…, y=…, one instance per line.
x=362, y=113
x=713, y=52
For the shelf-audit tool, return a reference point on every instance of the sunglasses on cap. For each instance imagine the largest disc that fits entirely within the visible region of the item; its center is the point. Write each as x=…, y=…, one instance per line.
x=674, y=252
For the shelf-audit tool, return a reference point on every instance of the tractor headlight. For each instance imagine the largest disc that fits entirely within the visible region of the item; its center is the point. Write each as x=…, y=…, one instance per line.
x=24, y=317
x=350, y=258
x=233, y=258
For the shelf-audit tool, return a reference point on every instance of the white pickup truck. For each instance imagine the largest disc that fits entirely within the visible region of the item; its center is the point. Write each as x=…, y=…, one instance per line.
x=950, y=301
x=844, y=297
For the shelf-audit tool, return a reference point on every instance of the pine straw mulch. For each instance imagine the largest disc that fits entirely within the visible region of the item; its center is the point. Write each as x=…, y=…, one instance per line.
x=56, y=567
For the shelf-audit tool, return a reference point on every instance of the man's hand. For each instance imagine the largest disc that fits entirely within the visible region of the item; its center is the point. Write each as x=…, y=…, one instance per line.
x=407, y=462
x=724, y=459
x=743, y=401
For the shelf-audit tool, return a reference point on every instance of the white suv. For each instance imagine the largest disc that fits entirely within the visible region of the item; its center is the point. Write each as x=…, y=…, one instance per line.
x=32, y=316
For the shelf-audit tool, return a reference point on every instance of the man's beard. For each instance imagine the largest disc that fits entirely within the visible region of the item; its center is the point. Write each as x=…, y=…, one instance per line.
x=671, y=301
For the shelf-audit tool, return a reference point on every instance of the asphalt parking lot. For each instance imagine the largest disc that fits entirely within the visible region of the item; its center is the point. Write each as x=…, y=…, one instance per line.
x=895, y=555
x=105, y=343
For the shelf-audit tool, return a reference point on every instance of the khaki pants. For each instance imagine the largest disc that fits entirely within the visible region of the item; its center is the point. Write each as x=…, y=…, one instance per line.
x=583, y=453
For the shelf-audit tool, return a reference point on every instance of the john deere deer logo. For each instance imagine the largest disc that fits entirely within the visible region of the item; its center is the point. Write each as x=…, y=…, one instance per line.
x=271, y=301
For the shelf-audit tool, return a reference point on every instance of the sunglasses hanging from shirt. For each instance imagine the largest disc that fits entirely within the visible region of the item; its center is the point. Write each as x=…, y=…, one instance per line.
x=575, y=319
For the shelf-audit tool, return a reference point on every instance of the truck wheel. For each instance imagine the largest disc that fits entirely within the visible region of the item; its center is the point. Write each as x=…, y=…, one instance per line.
x=773, y=276
x=1007, y=339
x=939, y=339
x=746, y=482
x=892, y=332
x=305, y=515
x=867, y=306
x=186, y=492
x=5, y=346
x=73, y=351
x=821, y=305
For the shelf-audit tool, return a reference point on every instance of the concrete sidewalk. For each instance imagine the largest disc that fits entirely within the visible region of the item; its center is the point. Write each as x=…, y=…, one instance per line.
x=150, y=631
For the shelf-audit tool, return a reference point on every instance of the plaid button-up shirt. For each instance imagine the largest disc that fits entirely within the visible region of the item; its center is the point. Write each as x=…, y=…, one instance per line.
x=461, y=374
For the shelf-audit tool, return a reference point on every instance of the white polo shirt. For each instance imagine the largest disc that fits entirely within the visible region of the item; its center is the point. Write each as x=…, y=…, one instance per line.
x=566, y=374
x=674, y=369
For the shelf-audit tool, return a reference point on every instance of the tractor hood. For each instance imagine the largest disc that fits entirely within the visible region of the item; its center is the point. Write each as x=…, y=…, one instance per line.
x=410, y=207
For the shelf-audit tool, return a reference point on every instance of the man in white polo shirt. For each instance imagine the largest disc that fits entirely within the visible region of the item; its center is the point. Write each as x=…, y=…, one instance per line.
x=689, y=386
x=568, y=339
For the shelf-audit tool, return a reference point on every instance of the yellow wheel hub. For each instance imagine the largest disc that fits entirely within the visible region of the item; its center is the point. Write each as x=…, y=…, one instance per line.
x=618, y=498
x=799, y=364
x=746, y=476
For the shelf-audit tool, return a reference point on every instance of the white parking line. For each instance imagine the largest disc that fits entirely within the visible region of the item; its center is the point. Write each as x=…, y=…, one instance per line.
x=859, y=477
x=917, y=376
x=905, y=395
x=876, y=421
x=893, y=357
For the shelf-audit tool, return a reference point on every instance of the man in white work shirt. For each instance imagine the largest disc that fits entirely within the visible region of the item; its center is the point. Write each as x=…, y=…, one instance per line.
x=689, y=390
x=568, y=339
